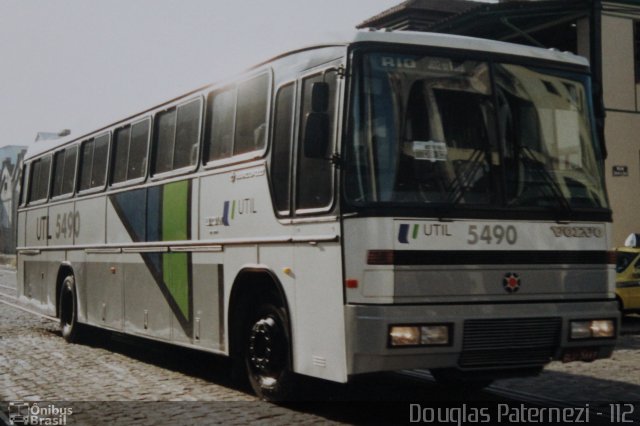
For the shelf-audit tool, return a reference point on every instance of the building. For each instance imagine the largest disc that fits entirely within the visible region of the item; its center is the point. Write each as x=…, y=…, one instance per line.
x=10, y=181
x=606, y=32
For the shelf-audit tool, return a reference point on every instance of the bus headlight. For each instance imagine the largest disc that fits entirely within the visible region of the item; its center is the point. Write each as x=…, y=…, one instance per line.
x=420, y=335
x=593, y=329
x=404, y=335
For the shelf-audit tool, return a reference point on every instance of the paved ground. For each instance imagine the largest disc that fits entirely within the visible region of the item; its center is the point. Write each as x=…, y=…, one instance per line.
x=168, y=385
x=614, y=379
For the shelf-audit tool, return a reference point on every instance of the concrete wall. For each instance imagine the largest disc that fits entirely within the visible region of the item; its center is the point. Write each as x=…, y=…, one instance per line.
x=622, y=125
x=10, y=175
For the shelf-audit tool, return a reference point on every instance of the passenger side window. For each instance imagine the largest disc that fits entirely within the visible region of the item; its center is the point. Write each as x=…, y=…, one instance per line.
x=220, y=124
x=237, y=119
x=64, y=170
x=93, y=168
x=251, y=116
x=314, y=185
x=130, y=152
x=177, y=137
x=138, y=148
x=121, y=140
x=164, y=136
x=39, y=179
x=281, y=155
x=187, y=135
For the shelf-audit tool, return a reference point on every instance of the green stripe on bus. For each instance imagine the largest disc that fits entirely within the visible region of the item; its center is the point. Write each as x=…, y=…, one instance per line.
x=175, y=210
x=175, y=271
x=175, y=223
x=415, y=231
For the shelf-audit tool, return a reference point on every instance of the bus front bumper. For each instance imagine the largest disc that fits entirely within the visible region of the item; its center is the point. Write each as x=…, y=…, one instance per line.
x=482, y=336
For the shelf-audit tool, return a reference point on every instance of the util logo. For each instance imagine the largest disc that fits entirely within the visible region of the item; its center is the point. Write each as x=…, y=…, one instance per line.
x=225, y=214
x=237, y=207
x=403, y=233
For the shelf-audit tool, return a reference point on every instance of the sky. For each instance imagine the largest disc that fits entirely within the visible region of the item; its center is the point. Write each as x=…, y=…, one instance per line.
x=82, y=64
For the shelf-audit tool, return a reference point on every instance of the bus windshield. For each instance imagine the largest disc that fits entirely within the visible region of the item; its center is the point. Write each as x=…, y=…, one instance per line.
x=437, y=130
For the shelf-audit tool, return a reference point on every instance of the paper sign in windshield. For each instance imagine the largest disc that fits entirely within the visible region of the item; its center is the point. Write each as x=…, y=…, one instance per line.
x=426, y=150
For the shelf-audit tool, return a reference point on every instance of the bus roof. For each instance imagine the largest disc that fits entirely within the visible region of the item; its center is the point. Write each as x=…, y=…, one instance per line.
x=468, y=43
x=415, y=38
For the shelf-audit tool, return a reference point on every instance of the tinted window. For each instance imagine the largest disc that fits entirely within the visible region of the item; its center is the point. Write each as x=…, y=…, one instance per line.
x=315, y=175
x=93, y=169
x=130, y=152
x=86, y=154
x=39, y=182
x=220, y=124
x=137, y=163
x=164, y=136
x=68, y=179
x=58, y=173
x=281, y=157
x=187, y=135
x=251, y=115
x=121, y=142
x=23, y=189
x=100, y=155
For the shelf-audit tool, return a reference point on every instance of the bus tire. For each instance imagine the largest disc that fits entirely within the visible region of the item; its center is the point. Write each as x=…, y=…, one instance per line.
x=267, y=353
x=69, y=327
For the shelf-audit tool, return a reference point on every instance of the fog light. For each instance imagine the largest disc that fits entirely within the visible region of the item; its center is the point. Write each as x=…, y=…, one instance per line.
x=404, y=335
x=603, y=328
x=597, y=329
x=580, y=329
x=434, y=335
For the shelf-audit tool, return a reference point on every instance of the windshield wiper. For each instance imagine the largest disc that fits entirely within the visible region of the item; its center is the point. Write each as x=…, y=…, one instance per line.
x=461, y=184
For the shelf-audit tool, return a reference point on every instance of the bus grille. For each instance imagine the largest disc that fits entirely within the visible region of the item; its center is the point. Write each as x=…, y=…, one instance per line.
x=509, y=342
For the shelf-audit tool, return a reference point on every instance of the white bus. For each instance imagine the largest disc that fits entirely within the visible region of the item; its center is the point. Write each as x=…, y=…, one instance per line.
x=394, y=201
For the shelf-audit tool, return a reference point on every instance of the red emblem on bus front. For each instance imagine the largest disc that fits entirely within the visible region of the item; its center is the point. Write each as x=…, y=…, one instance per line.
x=511, y=282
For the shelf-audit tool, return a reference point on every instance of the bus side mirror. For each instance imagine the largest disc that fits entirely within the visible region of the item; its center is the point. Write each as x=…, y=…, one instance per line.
x=316, y=129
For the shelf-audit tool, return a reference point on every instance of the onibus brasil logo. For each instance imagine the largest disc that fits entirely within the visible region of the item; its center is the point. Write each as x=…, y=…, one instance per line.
x=25, y=413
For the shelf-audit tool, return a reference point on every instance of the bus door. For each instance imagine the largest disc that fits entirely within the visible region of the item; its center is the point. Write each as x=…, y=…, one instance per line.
x=319, y=340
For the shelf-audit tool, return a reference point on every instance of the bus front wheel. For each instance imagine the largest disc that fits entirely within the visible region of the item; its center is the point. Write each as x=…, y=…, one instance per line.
x=69, y=310
x=267, y=353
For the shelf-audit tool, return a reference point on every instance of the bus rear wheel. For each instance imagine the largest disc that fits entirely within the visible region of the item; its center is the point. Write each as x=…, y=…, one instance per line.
x=68, y=308
x=267, y=353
